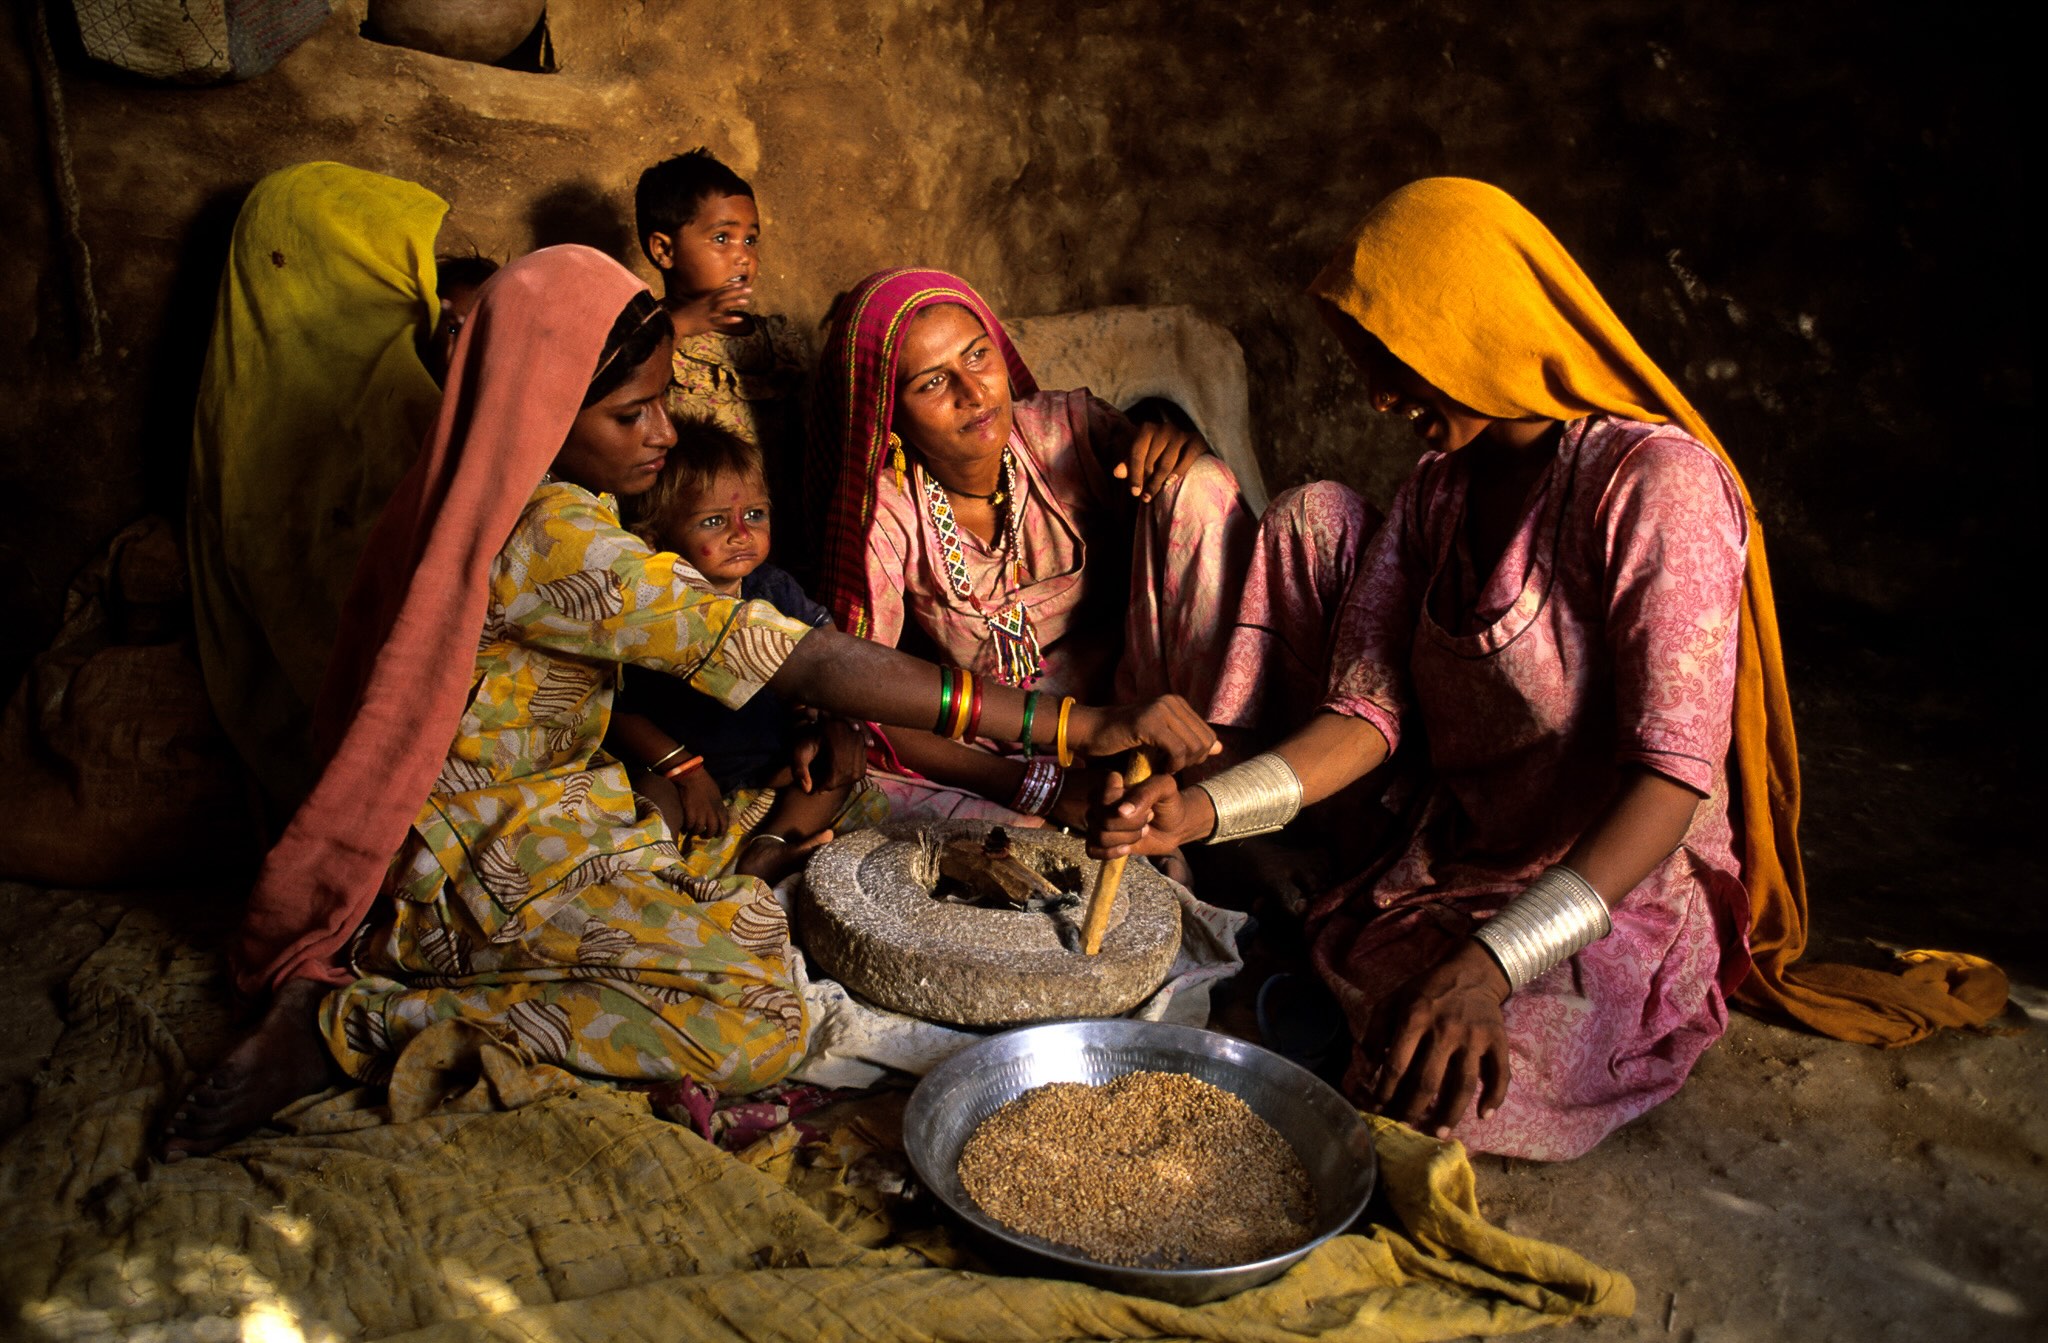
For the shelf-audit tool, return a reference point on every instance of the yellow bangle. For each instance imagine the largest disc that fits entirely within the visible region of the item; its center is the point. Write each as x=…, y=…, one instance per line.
x=1060, y=733
x=962, y=695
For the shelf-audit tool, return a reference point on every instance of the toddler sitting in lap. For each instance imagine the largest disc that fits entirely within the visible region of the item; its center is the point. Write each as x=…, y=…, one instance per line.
x=770, y=779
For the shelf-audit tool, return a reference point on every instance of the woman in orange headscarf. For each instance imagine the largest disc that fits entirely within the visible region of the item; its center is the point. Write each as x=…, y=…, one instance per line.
x=1569, y=605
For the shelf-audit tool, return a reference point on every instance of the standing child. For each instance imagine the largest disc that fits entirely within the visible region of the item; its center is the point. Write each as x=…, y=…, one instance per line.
x=744, y=372
x=770, y=781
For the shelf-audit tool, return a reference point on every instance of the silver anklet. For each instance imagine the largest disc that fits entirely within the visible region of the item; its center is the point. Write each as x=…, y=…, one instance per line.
x=1559, y=913
x=1256, y=797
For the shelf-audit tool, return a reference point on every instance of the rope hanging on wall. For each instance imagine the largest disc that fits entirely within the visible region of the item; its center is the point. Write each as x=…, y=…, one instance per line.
x=57, y=136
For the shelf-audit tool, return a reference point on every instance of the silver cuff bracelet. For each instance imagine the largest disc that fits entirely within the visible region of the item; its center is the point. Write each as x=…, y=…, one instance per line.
x=1254, y=798
x=1557, y=915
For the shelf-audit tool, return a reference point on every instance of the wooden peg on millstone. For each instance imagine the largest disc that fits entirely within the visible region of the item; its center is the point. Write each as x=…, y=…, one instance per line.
x=1112, y=874
x=989, y=872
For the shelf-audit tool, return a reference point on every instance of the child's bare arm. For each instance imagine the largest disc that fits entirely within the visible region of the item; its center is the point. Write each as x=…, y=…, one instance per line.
x=703, y=802
x=635, y=739
x=797, y=823
x=691, y=803
x=725, y=308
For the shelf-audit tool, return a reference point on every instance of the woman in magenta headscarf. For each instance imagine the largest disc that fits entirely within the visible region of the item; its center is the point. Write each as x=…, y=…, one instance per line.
x=1037, y=538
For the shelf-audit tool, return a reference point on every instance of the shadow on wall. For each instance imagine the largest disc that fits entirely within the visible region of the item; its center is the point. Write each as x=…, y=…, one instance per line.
x=181, y=344
x=580, y=211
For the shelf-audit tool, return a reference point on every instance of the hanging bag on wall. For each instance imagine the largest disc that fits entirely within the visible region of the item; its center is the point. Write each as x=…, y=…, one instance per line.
x=196, y=41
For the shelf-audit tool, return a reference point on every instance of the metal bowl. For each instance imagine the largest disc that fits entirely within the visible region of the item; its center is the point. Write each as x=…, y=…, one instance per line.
x=1325, y=1130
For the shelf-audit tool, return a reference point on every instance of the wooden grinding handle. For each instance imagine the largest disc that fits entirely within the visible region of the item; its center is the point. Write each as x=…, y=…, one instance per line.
x=1111, y=874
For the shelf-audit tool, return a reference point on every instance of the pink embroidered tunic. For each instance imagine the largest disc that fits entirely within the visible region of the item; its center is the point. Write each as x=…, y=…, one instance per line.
x=1090, y=561
x=1605, y=637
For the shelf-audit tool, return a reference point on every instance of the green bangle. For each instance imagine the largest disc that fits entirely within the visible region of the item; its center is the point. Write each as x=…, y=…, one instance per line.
x=945, y=723
x=1030, y=708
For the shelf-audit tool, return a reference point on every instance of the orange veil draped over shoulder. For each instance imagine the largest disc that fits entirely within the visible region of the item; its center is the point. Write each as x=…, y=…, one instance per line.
x=1470, y=290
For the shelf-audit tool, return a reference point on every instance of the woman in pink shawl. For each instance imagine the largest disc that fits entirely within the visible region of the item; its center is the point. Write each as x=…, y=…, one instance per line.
x=1565, y=627
x=470, y=854
x=1549, y=613
x=1038, y=538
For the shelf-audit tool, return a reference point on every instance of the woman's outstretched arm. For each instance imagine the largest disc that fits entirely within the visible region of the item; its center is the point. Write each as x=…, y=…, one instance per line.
x=850, y=676
x=1329, y=754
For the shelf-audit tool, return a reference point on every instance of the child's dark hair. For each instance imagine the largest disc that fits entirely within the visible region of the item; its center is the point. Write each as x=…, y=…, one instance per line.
x=703, y=451
x=670, y=192
x=466, y=271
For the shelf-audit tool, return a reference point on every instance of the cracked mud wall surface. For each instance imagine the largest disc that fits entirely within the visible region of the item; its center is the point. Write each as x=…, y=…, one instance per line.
x=1809, y=217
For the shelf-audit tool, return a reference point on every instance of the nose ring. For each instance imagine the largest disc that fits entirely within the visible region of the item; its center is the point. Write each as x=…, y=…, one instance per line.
x=1414, y=413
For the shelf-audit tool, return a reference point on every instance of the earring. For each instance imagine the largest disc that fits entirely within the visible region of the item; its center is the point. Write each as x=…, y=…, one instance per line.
x=896, y=461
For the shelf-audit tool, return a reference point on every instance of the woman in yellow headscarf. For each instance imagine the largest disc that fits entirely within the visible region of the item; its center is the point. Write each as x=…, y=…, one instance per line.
x=316, y=393
x=1569, y=605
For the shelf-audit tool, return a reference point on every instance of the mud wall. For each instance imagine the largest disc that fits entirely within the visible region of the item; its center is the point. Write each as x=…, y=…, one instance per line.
x=1807, y=213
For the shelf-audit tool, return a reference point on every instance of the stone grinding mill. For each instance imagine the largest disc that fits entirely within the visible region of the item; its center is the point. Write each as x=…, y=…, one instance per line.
x=971, y=924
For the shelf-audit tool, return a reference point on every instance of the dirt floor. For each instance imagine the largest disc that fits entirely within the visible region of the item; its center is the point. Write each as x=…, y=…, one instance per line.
x=1797, y=1188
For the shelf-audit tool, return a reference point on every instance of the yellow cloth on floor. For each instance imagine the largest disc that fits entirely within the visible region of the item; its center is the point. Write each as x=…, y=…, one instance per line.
x=581, y=1216
x=312, y=404
x=1471, y=291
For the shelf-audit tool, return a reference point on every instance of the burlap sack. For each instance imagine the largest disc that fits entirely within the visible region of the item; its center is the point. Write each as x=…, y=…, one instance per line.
x=112, y=768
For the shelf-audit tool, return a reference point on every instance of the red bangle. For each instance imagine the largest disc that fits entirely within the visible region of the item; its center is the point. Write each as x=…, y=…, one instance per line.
x=678, y=771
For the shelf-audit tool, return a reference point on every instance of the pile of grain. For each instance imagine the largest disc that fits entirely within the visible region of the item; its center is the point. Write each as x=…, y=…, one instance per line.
x=1153, y=1169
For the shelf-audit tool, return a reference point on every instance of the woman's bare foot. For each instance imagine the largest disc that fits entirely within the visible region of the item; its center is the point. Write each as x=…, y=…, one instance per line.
x=797, y=822
x=776, y=859
x=283, y=1059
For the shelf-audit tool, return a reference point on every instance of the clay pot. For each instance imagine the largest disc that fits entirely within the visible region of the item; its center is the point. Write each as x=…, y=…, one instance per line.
x=467, y=30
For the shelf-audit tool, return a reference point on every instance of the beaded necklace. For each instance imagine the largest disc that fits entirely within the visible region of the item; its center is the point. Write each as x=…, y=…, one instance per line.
x=1018, y=659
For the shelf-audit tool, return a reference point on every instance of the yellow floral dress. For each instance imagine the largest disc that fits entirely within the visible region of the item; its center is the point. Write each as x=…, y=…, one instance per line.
x=536, y=894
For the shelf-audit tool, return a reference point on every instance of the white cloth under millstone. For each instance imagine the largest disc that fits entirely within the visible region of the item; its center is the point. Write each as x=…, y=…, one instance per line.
x=856, y=1044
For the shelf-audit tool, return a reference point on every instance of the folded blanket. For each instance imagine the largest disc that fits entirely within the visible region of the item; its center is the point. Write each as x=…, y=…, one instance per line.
x=582, y=1215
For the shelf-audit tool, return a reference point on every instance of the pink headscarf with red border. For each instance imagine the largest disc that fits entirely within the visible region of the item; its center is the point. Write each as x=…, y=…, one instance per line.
x=400, y=679
x=857, y=373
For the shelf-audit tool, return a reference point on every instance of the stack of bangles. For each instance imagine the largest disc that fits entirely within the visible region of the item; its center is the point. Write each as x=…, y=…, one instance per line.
x=1040, y=788
x=668, y=767
x=959, y=704
x=960, y=718
x=960, y=713
x=1256, y=797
